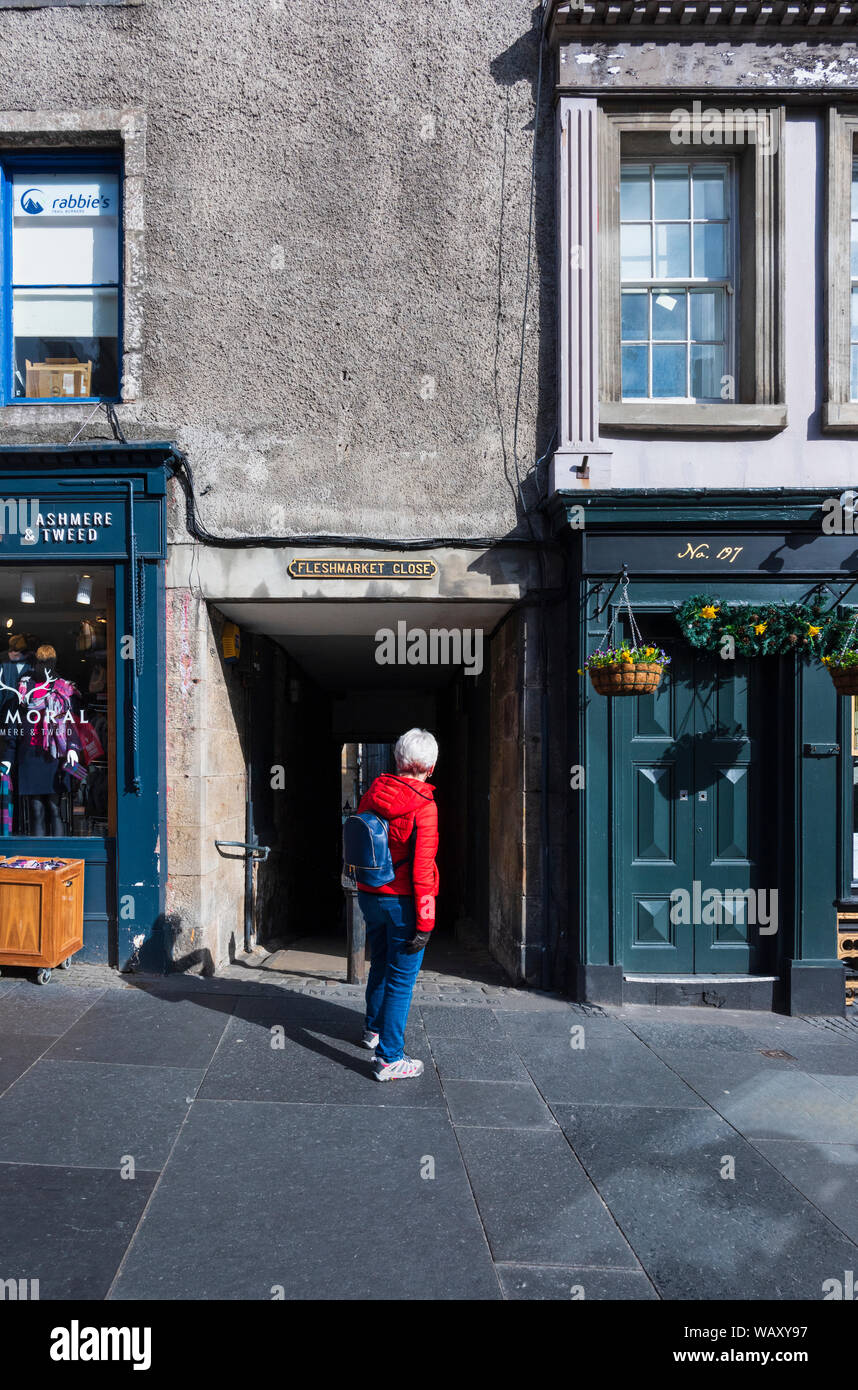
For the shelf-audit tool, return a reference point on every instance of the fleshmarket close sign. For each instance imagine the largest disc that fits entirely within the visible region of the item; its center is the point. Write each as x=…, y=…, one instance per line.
x=350, y=568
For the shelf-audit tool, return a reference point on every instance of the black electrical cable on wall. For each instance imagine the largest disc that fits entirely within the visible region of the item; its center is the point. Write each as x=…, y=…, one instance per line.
x=200, y=532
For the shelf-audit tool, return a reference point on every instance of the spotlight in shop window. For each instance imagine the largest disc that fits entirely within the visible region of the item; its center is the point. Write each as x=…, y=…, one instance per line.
x=84, y=589
x=28, y=588
x=10, y=622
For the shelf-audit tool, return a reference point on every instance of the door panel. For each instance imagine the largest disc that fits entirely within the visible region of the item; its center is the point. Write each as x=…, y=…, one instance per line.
x=687, y=778
x=653, y=827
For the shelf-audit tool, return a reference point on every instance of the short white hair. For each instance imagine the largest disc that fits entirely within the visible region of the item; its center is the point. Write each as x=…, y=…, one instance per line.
x=416, y=751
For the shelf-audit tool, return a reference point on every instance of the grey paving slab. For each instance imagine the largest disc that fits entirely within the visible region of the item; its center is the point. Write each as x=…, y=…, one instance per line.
x=326, y=1202
x=17, y=1052
x=846, y=1087
x=477, y=1059
x=557, y=1024
x=790, y=1105
x=42, y=1010
x=561, y=1284
x=827, y=1174
x=536, y=1202
x=499, y=1104
x=302, y=1008
x=827, y=1058
x=68, y=1227
x=318, y=1062
x=704, y=1034
x=697, y=1234
x=721, y=1072
x=91, y=1114
x=459, y=1021
x=607, y=1072
x=143, y=1030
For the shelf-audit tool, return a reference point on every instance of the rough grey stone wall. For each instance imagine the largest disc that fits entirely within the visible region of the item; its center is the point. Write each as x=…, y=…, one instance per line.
x=336, y=203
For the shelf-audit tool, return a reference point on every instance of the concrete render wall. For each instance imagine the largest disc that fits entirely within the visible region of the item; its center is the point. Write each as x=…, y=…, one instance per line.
x=205, y=790
x=335, y=203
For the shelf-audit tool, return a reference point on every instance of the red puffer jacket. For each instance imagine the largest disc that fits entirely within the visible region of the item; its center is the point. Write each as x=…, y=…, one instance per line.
x=406, y=803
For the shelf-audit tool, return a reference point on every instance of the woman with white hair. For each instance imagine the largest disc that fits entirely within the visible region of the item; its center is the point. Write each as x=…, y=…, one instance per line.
x=400, y=915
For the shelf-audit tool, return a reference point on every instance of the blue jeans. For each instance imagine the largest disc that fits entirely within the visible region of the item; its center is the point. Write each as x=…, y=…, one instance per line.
x=391, y=921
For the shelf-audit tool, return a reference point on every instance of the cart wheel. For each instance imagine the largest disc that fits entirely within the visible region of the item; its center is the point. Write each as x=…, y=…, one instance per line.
x=65, y=964
x=42, y=976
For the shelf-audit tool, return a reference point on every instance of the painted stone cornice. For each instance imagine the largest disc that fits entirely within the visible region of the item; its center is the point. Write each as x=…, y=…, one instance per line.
x=568, y=20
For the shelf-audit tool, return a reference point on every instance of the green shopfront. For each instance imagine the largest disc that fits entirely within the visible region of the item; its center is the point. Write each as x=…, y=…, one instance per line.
x=82, y=604
x=733, y=783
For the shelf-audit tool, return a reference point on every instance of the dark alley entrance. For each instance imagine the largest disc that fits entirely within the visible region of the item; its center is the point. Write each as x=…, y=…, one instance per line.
x=323, y=714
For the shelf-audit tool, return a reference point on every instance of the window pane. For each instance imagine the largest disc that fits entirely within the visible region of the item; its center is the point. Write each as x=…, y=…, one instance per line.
x=710, y=250
x=710, y=190
x=668, y=370
x=65, y=229
x=854, y=247
x=668, y=315
x=854, y=333
x=66, y=342
x=855, y=190
x=634, y=324
x=854, y=392
x=671, y=190
x=707, y=369
x=634, y=371
x=671, y=251
x=636, y=262
x=51, y=793
x=707, y=315
x=634, y=194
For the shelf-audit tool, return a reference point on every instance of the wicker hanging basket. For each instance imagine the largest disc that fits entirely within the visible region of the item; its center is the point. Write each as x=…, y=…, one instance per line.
x=844, y=679
x=626, y=677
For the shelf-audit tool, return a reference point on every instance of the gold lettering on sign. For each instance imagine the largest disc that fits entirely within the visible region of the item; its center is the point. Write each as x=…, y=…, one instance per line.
x=700, y=551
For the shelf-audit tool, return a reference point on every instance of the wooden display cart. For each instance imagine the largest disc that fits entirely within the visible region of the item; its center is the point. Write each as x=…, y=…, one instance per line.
x=41, y=914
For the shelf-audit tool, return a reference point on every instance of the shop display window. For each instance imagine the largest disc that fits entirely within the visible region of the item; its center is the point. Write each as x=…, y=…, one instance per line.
x=56, y=701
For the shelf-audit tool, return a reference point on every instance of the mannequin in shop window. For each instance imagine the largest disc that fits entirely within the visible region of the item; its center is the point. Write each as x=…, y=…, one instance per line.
x=45, y=742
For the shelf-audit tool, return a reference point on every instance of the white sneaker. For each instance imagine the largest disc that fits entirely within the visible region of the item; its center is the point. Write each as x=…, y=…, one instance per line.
x=369, y=1039
x=397, y=1071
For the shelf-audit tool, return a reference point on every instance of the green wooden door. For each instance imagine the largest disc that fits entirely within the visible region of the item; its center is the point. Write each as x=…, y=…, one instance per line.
x=688, y=838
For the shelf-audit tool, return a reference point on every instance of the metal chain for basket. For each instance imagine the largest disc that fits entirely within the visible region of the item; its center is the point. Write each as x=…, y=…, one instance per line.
x=637, y=640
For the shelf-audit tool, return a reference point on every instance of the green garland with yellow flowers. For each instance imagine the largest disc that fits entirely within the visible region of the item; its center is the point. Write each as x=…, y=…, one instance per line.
x=763, y=629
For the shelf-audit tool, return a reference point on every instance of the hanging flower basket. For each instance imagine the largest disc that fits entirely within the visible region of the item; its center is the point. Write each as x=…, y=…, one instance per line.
x=635, y=671
x=629, y=676
x=843, y=670
x=632, y=668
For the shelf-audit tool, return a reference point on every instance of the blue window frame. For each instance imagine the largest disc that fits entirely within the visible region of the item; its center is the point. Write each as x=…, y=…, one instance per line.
x=60, y=262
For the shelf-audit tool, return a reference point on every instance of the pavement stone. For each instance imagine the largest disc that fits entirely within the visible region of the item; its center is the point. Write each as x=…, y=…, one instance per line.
x=698, y=1234
x=209, y=1233
x=558, y=1169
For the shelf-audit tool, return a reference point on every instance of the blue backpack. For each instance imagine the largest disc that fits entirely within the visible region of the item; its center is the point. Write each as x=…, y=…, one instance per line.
x=366, y=851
